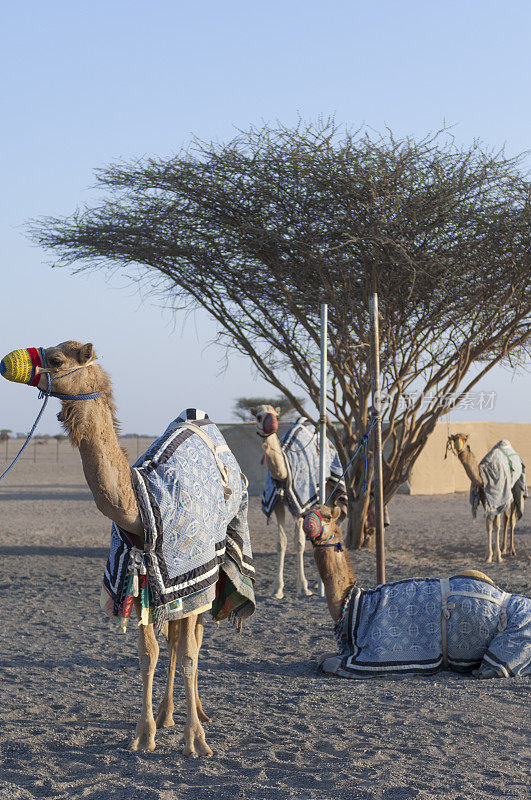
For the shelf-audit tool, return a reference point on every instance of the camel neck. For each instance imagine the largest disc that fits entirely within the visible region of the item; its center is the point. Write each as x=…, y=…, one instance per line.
x=470, y=465
x=91, y=426
x=337, y=576
x=274, y=457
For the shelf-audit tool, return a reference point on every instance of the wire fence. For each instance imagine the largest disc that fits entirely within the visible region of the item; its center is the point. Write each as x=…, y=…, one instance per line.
x=60, y=451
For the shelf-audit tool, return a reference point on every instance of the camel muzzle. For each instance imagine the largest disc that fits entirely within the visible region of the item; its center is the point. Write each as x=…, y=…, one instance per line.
x=24, y=366
x=313, y=526
x=270, y=424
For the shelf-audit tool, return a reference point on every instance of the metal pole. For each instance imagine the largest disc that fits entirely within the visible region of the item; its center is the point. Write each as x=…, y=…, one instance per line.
x=322, y=414
x=377, y=439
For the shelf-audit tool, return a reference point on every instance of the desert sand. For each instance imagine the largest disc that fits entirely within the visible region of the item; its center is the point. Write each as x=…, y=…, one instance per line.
x=71, y=687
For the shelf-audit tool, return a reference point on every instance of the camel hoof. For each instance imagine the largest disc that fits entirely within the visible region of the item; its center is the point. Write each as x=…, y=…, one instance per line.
x=278, y=595
x=195, y=744
x=488, y=560
x=145, y=735
x=202, y=716
x=164, y=718
x=143, y=743
x=165, y=722
x=204, y=749
x=499, y=558
x=305, y=592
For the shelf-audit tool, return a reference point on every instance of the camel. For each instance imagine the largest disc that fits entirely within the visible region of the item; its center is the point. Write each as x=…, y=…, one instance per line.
x=416, y=626
x=481, y=479
x=266, y=428
x=88, y=416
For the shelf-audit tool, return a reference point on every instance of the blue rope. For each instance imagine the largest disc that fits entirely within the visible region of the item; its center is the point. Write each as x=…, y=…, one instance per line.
x=364, y=441
x=88, y=396
x=46, y=395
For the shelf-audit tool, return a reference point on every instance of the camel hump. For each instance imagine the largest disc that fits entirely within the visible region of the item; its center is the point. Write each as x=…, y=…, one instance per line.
x=475, y=573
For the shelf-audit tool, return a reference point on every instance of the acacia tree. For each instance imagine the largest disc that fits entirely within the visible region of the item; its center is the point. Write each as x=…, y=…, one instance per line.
x=261, y=230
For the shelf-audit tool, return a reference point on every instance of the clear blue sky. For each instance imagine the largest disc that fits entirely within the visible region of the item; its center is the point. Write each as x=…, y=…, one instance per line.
x=86, y=83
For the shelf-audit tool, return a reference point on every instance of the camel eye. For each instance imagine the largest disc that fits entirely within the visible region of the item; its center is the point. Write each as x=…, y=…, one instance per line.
x=54, y=361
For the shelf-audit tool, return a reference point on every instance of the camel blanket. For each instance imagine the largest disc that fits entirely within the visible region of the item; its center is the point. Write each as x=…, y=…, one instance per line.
x=422, y=625
x=503, y=474
x=301, y=454
x=192, y=500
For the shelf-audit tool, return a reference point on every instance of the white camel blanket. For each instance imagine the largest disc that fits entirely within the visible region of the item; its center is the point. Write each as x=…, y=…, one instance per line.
x=503, y=474
x=301, y=454
x=397, y=628
x=193, y=506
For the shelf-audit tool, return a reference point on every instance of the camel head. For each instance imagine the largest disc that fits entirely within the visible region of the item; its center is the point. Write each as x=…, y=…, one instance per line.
x=321, y=528
x=68, y=369
x=63, y=364
x=266, y=419
x=457, y=443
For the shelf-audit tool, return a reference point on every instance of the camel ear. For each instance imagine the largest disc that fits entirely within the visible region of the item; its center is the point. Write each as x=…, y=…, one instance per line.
x=86, y=353
x=336, y=512
x=277, y=410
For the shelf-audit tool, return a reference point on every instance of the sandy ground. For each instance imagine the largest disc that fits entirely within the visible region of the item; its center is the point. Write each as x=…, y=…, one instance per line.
x=71, y=686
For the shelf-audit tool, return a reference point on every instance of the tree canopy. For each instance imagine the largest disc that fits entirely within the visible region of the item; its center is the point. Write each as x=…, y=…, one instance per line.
x=261, y=230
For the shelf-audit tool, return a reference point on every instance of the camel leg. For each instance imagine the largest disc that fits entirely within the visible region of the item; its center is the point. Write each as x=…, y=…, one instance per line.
x=148, y=653
x=497, y=552
x=199, y=628
x=164, y=718
x=187, y=655
x=512, y=525
x=300, y=541
x=506, y=520
x=280, y=514
x=488, y=523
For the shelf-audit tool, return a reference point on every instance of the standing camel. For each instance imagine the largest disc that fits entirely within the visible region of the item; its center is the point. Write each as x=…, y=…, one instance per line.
x=292, y=483
x=88, y=416
x=498, y=483
x=417, y=626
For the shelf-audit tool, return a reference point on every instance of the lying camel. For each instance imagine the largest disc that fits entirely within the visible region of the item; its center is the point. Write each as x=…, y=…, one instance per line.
x=417, y=626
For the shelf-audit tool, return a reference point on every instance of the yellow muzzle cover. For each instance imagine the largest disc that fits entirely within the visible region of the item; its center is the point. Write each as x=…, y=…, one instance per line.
x=23, y=366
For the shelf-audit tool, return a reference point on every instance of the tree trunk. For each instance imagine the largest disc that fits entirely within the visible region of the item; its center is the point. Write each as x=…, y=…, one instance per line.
x=357, y=514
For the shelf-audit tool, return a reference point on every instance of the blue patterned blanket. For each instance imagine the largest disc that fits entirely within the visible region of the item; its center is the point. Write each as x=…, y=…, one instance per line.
x=408, y=627
x=192, y=500
x=301, y=453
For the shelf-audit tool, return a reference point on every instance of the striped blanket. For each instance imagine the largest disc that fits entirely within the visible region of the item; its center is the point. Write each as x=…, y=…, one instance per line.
x=301, y=455
x=422, y=625
x=197, y=555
